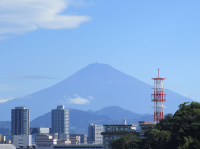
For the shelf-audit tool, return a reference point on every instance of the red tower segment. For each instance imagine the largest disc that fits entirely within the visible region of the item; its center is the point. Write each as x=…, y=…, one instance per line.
x=158, y=97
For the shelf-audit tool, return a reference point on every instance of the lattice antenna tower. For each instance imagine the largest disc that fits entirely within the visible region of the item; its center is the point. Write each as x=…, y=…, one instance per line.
x=158, y=97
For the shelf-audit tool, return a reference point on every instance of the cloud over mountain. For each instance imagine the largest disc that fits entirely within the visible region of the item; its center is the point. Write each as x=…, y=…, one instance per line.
x=78, y=100
x=20, y=16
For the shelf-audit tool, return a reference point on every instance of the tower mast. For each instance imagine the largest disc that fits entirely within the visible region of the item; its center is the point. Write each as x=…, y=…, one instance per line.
x=158, y=97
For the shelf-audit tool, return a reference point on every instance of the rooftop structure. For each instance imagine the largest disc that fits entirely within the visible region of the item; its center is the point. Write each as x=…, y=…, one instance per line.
x=75, y=139
x=78, y=146
x=38, y=130
x=145, y=126
x=22, y=141
x=45, y=141
x=115, y=131
x=83, y=138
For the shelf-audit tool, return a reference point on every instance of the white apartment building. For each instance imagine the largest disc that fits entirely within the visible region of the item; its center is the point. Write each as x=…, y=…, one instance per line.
x=22, y=141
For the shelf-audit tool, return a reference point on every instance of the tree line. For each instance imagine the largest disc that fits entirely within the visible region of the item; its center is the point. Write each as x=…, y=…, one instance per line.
x=178, y=131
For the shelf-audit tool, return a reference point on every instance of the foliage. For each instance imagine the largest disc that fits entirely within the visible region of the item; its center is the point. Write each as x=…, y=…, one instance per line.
x=178, y=131
x=128, y=141
x=186, y=126
x=157, y=139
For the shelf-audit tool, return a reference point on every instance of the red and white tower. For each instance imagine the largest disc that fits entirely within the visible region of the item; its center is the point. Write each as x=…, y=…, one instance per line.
x=158, y=97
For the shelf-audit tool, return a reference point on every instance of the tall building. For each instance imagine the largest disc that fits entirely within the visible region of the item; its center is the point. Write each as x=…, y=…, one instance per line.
x=60, y=122
x=94, y=134
x=20, y=121
x=20, y=127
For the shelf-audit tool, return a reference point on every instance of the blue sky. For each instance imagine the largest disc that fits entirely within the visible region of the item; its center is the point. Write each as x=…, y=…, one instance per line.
x=43, y=42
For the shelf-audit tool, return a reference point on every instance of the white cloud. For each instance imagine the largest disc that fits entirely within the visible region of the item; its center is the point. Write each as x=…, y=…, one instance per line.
x=79, y=100
x=19, y=16
x=3, y=100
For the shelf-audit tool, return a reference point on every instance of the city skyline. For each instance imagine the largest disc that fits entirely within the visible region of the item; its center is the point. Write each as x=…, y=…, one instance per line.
x=135, y=37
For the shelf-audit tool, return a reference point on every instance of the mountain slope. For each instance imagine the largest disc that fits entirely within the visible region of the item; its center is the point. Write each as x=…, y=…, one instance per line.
x=117, y=113
x=94, y=87
x=5, y=129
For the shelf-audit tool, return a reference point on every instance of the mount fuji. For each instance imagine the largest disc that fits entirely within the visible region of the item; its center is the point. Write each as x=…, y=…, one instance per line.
x=94, y=87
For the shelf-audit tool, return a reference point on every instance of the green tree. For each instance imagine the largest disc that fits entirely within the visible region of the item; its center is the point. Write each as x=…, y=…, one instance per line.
x=178, y=131
x=157, y=139
x=166, y=123
x=186, y=125
x=129, y=141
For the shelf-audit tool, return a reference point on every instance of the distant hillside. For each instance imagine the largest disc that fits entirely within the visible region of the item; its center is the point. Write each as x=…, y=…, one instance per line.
x=5, y=129
x=117, y=113
x=5, y=124
x=94, y=87
x=79, y=120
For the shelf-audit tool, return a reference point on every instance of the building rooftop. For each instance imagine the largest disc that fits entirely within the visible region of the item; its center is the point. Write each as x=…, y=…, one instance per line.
x=21, y=107
x=133, y=125
x=79, y=146
x=60, y=107
x=146, y=122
